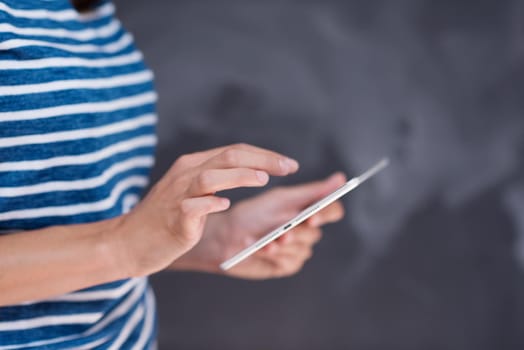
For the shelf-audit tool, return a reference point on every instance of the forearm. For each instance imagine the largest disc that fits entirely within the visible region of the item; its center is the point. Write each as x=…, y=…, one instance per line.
x=52, y=261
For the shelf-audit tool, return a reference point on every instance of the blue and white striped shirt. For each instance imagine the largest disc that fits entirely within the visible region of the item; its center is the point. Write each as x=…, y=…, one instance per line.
x=77, y=137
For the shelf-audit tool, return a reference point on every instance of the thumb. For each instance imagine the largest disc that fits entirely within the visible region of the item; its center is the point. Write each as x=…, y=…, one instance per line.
x=300, y=196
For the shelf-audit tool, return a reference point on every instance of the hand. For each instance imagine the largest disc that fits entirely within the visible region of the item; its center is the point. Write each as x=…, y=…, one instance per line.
x=227, y=233
x=171, y=218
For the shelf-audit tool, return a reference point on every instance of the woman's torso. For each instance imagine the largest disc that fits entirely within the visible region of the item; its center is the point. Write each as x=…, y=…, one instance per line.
x=77, y=137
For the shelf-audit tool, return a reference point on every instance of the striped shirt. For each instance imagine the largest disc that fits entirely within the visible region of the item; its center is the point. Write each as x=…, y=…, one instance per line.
x=77, y=137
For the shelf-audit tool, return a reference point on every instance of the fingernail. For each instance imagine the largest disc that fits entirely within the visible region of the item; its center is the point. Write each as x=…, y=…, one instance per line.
x=337, y=176
x=288, y=165
x=225, y=202
x=262, y=176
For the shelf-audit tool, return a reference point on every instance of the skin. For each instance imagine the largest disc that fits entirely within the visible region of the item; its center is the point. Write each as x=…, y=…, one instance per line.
x=181, y=224
x=228, y=233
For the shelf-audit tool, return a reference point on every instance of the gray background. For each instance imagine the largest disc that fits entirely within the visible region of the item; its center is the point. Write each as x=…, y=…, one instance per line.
x=431, y=254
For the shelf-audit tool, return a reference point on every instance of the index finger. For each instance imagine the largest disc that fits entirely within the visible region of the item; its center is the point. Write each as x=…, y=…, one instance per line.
x=332, y=213
x=272, y=163
x=198, y=158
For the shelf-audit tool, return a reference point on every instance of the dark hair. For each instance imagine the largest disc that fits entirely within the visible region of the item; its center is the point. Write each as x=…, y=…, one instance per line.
x=84, y=5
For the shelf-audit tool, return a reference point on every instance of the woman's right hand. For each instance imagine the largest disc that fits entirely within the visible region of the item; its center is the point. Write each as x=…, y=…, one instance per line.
x=170, y=220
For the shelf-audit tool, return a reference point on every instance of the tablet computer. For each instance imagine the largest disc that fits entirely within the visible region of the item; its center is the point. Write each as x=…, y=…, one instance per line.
x=304, y=215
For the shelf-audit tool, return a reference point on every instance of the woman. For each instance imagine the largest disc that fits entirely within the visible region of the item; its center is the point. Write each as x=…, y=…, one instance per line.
x=77, y=122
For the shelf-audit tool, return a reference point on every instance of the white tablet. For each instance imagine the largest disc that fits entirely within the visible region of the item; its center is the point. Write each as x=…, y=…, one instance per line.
x=304, y=215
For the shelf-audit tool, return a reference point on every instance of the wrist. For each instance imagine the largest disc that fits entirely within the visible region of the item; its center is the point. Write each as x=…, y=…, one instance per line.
x=110, y=248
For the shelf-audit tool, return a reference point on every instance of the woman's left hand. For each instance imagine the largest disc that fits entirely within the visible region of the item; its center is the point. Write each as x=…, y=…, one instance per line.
x=227, y=233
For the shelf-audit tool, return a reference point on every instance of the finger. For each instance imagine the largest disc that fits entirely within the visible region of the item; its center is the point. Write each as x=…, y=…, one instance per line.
x=305, y=237
x=298, y=250
x=302, y=234
x=285, y=264
x=286, y=238
x=193, y=215
x=211, y=181
x=193, y=208
x=330, y=214
x=198, y=158
x=239, y=158
x=305, y=194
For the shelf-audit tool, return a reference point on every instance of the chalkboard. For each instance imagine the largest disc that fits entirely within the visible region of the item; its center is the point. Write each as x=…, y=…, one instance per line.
x=431, y=253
